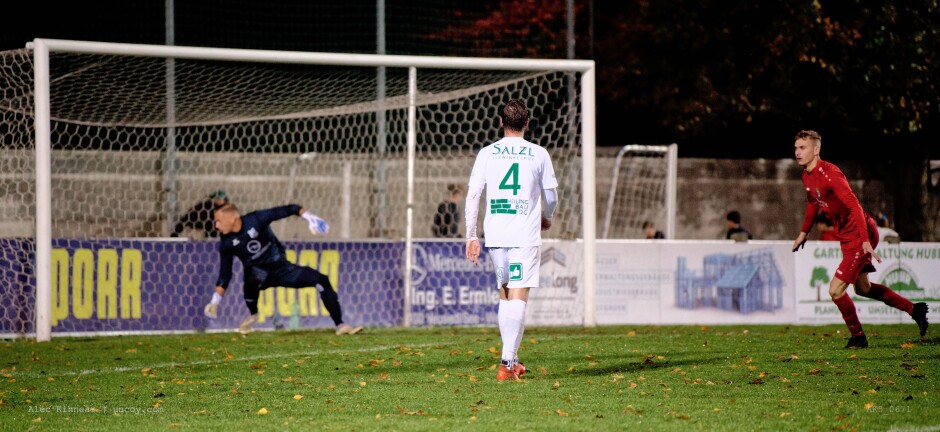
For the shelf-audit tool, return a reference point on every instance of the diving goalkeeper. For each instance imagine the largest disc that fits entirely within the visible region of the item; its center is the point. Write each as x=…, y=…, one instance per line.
x=250, y=238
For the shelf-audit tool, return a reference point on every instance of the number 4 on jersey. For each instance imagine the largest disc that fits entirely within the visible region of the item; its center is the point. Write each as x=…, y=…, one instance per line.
x=511, y=180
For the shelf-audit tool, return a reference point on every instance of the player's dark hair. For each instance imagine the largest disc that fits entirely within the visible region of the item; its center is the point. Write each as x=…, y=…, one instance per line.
x=648, y=224
x=515, y=115
x=734, y=216
x=809, y=134
x=823, y=219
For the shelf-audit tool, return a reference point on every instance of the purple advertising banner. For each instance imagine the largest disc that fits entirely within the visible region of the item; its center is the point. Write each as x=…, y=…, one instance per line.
x=447, y=289
x=160, y=285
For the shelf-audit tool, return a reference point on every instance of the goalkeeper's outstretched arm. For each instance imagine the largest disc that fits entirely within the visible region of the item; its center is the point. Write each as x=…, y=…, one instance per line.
x=277, y=213
x=225, y=275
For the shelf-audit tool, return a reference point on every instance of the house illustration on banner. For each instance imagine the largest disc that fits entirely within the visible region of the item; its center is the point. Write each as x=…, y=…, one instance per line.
x=744, y=282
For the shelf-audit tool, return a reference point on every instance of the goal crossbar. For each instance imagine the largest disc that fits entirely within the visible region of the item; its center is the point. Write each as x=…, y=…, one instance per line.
x=317, y=58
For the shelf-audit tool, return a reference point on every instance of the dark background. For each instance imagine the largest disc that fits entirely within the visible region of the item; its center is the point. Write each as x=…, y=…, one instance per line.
x=724, y=79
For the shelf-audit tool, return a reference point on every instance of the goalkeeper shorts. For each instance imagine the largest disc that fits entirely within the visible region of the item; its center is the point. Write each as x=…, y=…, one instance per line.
x=516, y=267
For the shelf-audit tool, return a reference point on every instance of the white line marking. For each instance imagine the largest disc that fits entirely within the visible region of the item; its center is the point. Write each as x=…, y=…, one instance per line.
x=123, y=369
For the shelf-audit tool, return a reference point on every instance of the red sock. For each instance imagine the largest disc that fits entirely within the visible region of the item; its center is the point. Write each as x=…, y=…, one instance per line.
x=847, y=307
x=889, y=297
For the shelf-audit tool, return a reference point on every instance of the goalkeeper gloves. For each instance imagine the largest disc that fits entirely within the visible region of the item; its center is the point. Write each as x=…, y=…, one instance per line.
x=315, y=223
x=212, y=310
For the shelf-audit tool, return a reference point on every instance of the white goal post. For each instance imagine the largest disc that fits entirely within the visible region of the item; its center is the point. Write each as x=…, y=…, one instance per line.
x=582, y=156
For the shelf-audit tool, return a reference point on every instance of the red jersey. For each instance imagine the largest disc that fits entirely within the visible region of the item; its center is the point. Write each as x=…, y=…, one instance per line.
x=827, y=190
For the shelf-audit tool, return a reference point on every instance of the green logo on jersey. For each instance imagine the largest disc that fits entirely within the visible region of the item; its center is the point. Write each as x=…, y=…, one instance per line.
x=501, y=206
x=515, y=271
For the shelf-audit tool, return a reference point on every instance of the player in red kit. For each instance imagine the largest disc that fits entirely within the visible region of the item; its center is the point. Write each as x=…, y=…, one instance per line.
x=828, y=191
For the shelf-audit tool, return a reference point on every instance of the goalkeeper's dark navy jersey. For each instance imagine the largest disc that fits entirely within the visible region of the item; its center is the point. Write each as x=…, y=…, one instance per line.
x=255, y=244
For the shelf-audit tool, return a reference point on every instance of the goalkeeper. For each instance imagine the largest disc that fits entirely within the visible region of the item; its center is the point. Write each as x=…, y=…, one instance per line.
x=250, y=238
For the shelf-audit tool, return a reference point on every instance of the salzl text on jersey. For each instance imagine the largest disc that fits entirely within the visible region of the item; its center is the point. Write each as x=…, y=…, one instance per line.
x=512, y=150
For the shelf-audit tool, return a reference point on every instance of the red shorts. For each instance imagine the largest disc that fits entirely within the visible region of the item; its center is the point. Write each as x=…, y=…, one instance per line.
x=855, y=261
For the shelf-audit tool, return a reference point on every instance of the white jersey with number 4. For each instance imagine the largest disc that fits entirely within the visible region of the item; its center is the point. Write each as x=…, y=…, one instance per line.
x=514, y=172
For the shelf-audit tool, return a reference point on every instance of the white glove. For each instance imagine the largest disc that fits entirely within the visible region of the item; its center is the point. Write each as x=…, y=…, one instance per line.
x=315, y=223
x=212, y=310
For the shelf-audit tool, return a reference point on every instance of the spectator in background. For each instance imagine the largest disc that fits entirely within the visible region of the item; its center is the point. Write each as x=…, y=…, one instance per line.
x=827, y=232
x=447, y=219
x=650, y=231
x=885, y=232
x=736, y=231
x=201, y=217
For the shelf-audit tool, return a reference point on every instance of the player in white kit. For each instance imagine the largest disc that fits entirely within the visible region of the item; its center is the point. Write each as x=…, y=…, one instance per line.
x=516, y=173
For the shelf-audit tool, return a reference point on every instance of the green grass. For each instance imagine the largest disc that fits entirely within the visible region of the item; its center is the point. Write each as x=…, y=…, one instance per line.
x=608, y=378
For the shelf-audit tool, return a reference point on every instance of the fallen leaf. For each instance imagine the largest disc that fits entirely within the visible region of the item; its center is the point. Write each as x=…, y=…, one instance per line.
x=869, y=406
x=631, y=333
x=907, y=345
x=784, y=414
x=263, y=411
x=298, y=397
x=556, y=385
x=362, y=383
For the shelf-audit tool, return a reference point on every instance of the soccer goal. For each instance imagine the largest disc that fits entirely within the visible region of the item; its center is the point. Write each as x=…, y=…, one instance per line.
x=642, y=189
x=106, y=146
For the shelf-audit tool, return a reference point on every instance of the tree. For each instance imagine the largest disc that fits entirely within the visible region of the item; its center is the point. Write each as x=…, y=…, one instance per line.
x=737, y=78
x=508, y=28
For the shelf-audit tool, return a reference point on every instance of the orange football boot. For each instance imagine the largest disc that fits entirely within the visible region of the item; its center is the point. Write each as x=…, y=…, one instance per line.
x=504, y=374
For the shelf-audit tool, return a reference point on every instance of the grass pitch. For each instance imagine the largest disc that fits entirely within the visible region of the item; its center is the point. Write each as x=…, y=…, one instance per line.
x=608, y=378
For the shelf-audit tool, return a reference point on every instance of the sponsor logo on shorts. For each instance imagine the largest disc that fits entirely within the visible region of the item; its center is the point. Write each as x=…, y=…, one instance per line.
x=515, y=271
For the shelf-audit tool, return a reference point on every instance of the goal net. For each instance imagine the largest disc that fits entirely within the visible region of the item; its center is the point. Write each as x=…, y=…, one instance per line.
x=640, y=188
x=138, y=135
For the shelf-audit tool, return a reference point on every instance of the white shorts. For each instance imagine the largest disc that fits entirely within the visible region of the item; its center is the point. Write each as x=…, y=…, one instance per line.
x=516, y=267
